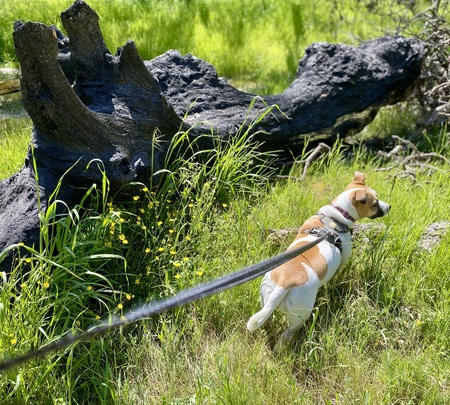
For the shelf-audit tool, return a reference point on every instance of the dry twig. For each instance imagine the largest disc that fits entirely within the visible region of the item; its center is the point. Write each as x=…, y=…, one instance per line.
x=414, y=161
x=316, y=153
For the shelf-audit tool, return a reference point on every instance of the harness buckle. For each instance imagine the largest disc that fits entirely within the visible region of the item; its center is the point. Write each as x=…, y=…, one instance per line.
x=331, y=228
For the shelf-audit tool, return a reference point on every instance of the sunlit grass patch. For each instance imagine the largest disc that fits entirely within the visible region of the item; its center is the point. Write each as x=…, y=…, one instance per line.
x=15, y=136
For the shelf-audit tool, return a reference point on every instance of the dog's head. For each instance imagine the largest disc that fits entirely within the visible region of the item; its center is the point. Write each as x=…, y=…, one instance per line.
x=360, y=201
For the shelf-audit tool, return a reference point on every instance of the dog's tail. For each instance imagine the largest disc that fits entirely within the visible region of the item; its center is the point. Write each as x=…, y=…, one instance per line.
x=275, y=298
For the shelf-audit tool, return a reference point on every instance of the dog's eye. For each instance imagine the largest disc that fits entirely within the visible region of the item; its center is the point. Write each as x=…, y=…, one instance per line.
x=375, y=204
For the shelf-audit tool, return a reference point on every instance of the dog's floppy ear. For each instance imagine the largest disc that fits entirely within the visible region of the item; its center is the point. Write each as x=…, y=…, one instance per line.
x=360, y=178
x=360, y=196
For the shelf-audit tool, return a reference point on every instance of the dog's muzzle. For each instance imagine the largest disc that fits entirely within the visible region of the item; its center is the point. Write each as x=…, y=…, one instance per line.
x=383, y=209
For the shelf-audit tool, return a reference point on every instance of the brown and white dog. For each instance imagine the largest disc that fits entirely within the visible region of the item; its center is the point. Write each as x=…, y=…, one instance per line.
x=292, y=287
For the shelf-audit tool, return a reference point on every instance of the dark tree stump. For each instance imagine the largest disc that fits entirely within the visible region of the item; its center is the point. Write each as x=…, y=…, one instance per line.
x=88, y=104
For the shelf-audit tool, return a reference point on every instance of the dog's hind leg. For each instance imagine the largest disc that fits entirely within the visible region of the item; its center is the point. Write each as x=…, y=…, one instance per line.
x=298, y=308
x=296, y=321
x=276, y=297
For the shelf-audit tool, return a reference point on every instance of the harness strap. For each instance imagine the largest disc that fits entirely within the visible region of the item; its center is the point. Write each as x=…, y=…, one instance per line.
x=331, y=228
x=332, y=236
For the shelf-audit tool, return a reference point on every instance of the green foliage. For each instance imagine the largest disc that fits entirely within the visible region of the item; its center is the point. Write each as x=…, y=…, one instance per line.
x=379, y=332
x=14, y=141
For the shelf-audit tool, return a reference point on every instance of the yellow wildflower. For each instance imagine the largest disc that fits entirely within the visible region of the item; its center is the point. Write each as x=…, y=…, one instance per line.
x=177, y=264
x=147, y=250
x=136, y=197
x=160, y=223
x=177, y=276
x=89, y=288
x=199, y=273
x=172, y=252
x=46, y=284
x=137, y=281
x=14, y=341
x=145, y=189
x=120, y=306
x=161, y=249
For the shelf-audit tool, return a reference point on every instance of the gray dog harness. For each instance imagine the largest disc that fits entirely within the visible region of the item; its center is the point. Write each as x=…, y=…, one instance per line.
x=332, y=228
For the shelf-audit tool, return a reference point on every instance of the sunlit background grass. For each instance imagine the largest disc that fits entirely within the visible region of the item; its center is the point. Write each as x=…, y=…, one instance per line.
x=257, y=44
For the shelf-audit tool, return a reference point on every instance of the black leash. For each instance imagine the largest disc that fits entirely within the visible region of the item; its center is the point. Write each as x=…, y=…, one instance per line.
x=154, y=308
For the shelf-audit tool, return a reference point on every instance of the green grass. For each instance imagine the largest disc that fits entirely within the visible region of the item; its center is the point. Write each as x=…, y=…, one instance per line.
x=379, y=332
x=15, y=131
x=14, y=140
